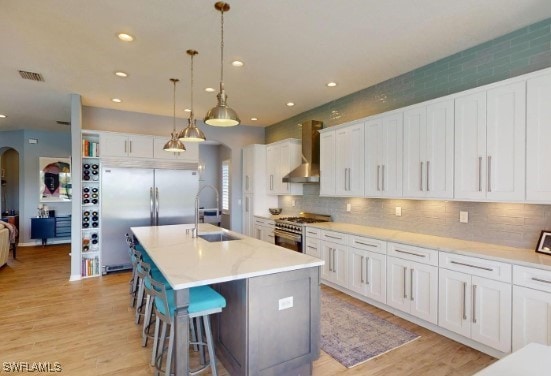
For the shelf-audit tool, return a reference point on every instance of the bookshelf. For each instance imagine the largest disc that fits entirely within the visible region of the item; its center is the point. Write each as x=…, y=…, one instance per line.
x=90, y=206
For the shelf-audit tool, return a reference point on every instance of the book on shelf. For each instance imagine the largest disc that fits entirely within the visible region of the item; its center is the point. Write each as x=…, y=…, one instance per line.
x=90, y=148
x=90, y=266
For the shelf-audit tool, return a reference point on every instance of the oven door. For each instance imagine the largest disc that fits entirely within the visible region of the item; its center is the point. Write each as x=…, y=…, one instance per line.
x=288, y=240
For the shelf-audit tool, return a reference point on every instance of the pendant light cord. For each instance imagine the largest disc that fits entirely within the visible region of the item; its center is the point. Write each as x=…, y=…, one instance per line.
x=191, y=113
x=222, y=47
x=174, y=109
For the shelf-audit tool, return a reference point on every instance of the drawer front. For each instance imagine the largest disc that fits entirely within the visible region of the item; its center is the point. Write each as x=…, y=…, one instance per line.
x=409, y=252
x=533, y=278
x=333, y=237
x=269, y=223
x=312, y=232
x=312, y=247
x=259, y=221
x=368, y=244
x=495, y=270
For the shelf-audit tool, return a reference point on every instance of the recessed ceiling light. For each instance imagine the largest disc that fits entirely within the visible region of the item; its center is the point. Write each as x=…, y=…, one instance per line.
x=3, y=116
x=254, y=119
x=125, y=37
x=237, y=63
x=121, y=74
x=117, y=100
x=331, y=84
x=290, y=104
x=187, y=110
x=209, y=90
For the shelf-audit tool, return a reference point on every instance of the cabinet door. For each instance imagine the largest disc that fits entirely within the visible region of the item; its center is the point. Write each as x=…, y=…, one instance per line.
x=391, y=166
x=284, y=161
x=376, y=276
x=373, y=139
x=248, y=218
x=341, y=162
x=335, y=267
x=470, y=146
x=327, y=256
x=327, y=164
x=248, y=166
x=397, y=284
x=538, y=134
x=531, y=317
x=438, y=150
x=258, y=232
x=114, y=145
x=349, y=161
x=268, y=234
x=424, y=291
x=505, y=144
x=271, y=169
x=454, y=305
x=140, y=146
x=357, y=270
x=491, y=313
x=415, y=140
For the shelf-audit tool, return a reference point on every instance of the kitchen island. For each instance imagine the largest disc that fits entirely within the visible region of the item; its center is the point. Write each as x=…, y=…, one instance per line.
x=271, y=325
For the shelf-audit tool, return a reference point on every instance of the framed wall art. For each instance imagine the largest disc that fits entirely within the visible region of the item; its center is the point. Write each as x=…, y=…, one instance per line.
x=544, y=244
x=55, y=179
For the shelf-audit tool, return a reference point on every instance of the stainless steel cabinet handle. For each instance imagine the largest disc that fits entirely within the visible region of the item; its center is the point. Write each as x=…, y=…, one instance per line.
x=332, y=237
x=366, y=244
x=130, y=146
x=405, y=277
x=247, y=182
x=489, y=173
x=150, y=204
x=156, y=206
x=367, y=270
x=378, y=176
x=420, y=176
x=474, y=304
x=480, y=174
x=311, y=233
x=309, y=246
x=349, y=173
x=409, y=253
x=471, y=266
x=383, y=178
x=428, y=171
x=345, y=179
x=334, y=250
x=330, y=259
x=362, y=269
x=411, y=284
x=125, y=146
x=271, y=182
x=464, y=300
x=246, y=204
x=540, y=280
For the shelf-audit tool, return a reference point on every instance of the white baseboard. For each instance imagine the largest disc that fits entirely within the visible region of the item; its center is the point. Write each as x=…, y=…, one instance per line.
x=39, y=242
x=75, y=277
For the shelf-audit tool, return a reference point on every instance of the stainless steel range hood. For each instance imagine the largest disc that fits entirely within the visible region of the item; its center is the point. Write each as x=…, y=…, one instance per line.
x=309, y=170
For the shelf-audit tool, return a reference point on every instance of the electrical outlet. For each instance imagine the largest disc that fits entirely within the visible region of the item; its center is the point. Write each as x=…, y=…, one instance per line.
x=348, y=207
x=293, y=203
x=285, y=303
x=398, y=211
x=464, y=217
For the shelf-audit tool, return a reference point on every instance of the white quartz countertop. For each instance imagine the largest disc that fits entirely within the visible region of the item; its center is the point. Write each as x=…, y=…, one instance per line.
x=187, y=262
x=520, y=256
x=534, y=360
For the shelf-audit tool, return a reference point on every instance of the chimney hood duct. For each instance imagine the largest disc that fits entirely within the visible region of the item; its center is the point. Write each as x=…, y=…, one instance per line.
x=309, y=170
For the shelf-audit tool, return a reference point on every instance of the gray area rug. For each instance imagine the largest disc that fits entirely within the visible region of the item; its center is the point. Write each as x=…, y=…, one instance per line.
x=352, y=335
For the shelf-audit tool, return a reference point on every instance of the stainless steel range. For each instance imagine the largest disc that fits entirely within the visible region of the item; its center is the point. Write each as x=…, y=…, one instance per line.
x=289, y=231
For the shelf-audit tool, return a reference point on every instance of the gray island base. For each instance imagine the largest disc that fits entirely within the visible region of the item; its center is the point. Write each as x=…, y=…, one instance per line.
x=260, y=333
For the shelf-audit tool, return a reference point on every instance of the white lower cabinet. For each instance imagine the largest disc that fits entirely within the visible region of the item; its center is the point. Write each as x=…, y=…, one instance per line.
x=367, y=273
x=335, y=267
x=531, y=306
x=264, y=229
x=475, y=307
x=412, y=287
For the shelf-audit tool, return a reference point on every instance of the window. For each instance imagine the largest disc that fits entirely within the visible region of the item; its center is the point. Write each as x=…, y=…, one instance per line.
x=226, y=186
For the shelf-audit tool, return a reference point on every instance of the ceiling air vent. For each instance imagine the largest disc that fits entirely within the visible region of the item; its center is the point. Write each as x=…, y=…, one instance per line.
x=31, y=76
x=63, y=122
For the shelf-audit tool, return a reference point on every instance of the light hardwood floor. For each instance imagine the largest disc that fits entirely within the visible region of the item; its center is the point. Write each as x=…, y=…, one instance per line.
x=87, y=326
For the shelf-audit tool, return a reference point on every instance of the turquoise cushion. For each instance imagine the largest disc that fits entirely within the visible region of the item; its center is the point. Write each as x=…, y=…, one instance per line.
x=201, y=298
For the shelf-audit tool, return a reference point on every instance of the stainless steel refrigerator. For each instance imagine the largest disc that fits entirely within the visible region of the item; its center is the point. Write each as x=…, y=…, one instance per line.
x=141, y=197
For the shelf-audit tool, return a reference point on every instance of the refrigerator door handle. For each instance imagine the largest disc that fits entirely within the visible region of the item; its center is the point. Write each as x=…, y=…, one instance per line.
x=151, y=206
x=156, y=206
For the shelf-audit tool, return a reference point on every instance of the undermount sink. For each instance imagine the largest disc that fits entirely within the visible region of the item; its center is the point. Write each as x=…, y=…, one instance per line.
x=218, y=237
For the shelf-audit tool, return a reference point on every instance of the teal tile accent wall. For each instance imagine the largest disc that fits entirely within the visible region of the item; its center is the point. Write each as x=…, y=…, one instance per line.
x=522, y=51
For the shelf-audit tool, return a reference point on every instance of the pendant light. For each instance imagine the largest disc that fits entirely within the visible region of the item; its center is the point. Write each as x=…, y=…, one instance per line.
x=222, y=115
x=192, y=133
x=174, y=145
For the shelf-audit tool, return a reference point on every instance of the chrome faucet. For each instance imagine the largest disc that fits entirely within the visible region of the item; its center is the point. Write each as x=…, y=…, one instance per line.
x=196, y=229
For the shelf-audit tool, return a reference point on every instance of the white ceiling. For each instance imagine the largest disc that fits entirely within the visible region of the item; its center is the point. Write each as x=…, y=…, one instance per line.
x=291, y=49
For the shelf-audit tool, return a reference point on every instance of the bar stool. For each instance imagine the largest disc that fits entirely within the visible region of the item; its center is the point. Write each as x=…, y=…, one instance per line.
x=203, y=301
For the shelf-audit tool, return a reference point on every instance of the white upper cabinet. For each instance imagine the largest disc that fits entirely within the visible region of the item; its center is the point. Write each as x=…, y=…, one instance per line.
x=281, y=158
x=428, y=151
x=254, y=169
x=190, y=155
x=383, y=156
x=327, y=163
x=342, y=160
x=490, y=144
x=126, y=145
x=538, y=133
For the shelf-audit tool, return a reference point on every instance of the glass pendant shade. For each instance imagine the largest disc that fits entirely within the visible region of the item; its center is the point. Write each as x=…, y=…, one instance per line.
x=174, y=145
